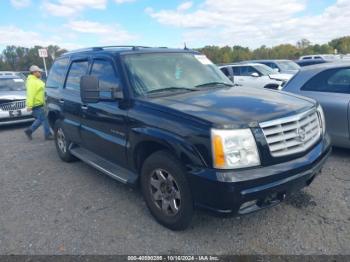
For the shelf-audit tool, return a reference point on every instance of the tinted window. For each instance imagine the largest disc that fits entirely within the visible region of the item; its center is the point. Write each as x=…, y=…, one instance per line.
x=57, y=73
x=236, y=71
x=76, y=71
x=334, y=80
x=225, y=71
x=248, y=70
x=106, y=75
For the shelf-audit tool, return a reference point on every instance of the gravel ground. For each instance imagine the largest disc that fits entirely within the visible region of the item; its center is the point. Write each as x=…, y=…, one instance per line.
x=51, y=207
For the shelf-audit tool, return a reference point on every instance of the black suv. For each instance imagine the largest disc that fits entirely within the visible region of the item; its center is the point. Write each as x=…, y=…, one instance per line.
x=170, y=121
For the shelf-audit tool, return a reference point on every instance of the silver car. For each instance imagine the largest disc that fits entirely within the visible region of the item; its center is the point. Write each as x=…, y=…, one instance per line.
x=12, y=101
x=329, y=84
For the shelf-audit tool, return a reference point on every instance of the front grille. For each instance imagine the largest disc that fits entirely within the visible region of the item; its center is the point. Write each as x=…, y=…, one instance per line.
x=13, y=105
x=294, y=134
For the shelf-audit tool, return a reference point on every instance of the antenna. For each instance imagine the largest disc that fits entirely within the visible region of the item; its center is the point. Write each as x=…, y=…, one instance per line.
x=185, y=47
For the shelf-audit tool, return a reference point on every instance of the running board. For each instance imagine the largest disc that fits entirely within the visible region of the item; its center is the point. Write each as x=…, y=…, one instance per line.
x=119, y=173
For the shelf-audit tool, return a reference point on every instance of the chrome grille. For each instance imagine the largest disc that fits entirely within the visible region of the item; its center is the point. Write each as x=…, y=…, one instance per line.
x=294, y=134
x=16, y=105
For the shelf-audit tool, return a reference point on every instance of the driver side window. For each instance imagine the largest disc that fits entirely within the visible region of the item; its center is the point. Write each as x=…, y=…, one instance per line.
x=108, y=79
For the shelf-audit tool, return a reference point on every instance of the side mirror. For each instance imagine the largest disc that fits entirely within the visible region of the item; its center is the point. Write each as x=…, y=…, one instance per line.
x=255, y=74
x=232, y=78
x=276, y=69
x=89, y=89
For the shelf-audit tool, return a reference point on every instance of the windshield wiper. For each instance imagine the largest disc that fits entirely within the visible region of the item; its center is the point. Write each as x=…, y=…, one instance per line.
x=170, y=89
x=214, y=84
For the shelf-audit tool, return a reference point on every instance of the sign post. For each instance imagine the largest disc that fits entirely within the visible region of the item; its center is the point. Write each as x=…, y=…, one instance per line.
x=43, y=54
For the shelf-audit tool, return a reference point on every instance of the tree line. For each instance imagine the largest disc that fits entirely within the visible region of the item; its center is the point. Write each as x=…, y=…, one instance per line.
x=17, y=58
x=228, y=54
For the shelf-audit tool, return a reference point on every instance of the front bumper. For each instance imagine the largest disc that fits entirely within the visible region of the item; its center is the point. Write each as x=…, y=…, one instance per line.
x=248, y=190
x=23, y=117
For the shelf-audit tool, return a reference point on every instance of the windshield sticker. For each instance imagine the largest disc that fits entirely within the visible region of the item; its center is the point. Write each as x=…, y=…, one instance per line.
x=203, y=59
x=18, y=80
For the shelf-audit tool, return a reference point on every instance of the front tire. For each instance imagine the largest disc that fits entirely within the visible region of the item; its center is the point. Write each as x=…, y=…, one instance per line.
x=166, y=191
x=62, y=143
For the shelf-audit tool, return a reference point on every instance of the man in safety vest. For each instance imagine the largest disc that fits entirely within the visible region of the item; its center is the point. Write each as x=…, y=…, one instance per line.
x=36, y=101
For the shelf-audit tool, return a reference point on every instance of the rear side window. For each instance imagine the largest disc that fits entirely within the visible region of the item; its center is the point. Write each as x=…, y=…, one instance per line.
x=57, y=73
x=76, y=71
x=333, y=80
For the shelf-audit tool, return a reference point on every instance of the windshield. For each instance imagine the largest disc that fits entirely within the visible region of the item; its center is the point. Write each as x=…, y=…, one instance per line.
x=172, y=72
x=265, y=70
x=12, y=84
x=288, y=65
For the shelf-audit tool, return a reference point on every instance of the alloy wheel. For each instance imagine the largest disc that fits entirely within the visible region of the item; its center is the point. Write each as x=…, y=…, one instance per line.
x=165, y=192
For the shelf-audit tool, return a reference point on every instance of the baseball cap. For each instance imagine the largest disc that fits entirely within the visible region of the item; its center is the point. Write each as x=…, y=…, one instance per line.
x=35, y=68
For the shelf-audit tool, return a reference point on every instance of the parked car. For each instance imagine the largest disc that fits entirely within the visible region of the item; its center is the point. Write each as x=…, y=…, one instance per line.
x=170, y=121
x=329, y=84
x=254, y=75
x=283, y=66
x=320, y=56
x=12, y=101
x=12, y=73
x=308, y=62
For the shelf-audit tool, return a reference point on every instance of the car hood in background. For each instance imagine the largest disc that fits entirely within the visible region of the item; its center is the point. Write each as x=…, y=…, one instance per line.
x=12, y=95
x=282, y=77
x=235, y=106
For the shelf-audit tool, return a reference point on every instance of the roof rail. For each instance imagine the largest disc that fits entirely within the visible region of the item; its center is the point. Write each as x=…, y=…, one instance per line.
x=100, y=48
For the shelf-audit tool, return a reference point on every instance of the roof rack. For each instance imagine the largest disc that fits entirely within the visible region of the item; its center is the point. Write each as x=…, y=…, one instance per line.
x=101, y=48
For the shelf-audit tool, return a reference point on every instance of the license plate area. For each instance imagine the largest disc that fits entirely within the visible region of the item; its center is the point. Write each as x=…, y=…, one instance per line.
x=15, y=113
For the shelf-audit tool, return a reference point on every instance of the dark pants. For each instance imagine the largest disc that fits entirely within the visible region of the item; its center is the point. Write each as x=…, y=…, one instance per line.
x=40, y=119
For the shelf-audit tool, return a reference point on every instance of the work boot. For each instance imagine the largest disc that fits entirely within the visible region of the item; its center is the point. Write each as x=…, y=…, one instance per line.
x=28, y=133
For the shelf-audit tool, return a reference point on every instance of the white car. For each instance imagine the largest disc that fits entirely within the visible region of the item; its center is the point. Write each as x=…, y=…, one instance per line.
x=12, y=101
x=255, y=75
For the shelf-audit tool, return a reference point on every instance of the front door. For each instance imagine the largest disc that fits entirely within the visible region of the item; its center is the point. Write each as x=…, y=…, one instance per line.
x=104, y=129
x=70, y=100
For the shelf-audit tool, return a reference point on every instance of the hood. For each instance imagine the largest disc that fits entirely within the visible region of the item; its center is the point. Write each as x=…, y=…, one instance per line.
x=234, y=107
x=282, y=77
x=12, y=95
x=291, y=72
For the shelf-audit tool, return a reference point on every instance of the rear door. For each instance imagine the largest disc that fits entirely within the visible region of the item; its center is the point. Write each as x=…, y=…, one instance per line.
x=104, y=129
x=71, y=100
x=332, y=89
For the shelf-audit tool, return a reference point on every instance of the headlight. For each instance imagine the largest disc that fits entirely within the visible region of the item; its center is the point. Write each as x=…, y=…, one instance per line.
x=321, y=119
x=234, y=149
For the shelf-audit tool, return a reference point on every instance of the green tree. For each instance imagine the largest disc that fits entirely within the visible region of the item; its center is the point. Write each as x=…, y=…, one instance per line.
x=341, y=44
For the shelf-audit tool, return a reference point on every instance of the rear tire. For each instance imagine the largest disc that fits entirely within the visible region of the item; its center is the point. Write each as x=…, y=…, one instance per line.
x=61, y=142
x=166, y=191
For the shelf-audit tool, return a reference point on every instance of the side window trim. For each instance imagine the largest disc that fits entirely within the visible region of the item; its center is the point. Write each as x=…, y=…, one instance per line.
x=74, y=60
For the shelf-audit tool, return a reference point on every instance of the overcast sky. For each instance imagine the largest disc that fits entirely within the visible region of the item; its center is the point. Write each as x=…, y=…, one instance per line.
x=252, y=23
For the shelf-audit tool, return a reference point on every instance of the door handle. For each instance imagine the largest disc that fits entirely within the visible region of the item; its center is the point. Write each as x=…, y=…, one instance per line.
x=84, y=107
x=61, y=101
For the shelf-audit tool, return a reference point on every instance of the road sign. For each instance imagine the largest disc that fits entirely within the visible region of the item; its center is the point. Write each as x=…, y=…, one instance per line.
x=43, y=52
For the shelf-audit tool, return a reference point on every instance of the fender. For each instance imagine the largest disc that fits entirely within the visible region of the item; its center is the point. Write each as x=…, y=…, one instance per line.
x=147, y=136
